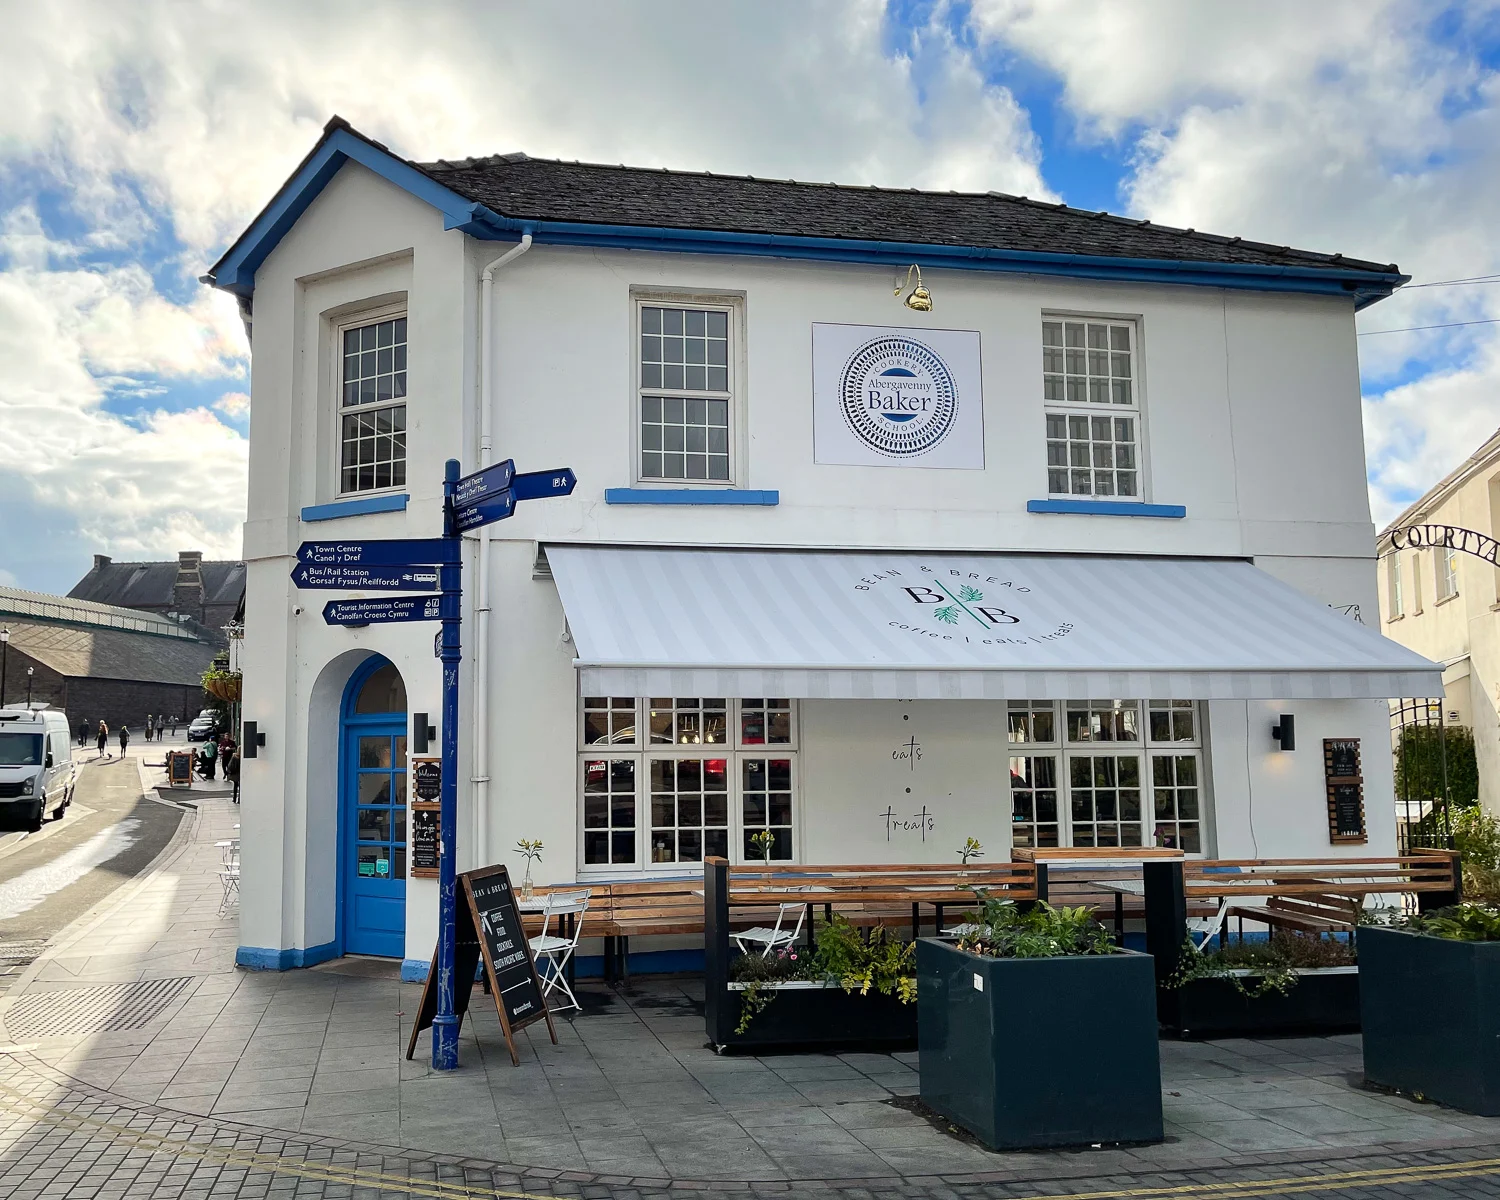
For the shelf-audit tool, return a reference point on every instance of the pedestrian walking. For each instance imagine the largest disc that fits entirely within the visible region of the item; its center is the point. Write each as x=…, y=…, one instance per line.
x=124, y=739
x=226, y=750
x=149, y=720
x=232, y=772
x=103, y=737
x=174, y=726
x=83, y=733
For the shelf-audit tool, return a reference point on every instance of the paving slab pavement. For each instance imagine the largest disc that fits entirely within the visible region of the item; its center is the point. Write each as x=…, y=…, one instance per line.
x=629, y=1091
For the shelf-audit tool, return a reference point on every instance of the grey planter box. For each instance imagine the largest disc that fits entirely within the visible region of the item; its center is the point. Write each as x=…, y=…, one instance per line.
x=1430, y=1009
x=1030, y=1053
x=1324, y=1000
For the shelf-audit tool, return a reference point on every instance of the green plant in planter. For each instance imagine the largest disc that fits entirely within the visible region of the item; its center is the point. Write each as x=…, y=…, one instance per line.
x=856, y=962
x=1274, y=962
x=1461, y=923
x=1043, y=932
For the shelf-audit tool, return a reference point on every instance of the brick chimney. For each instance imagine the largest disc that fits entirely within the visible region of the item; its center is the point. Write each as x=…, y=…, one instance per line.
x=101, y=560
x=187, y=592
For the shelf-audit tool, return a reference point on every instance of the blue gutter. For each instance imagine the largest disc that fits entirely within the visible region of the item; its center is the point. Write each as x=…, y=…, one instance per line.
x=235, y=272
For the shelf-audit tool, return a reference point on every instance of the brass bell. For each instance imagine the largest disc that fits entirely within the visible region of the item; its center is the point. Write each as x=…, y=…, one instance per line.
x=920, y=299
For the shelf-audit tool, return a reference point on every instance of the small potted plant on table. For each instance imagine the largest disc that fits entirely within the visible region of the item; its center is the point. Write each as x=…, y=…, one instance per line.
x=1430, y=1005
x=984, y=1004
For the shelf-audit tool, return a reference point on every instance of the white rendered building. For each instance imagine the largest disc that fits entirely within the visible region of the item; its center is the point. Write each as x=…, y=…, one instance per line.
x=1042, y=565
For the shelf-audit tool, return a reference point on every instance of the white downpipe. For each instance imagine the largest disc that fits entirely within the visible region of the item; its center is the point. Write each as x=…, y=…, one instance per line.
x=481, y=777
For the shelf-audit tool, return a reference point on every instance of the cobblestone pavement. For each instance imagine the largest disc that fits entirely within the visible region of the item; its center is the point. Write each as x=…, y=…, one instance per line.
x=62, y=1139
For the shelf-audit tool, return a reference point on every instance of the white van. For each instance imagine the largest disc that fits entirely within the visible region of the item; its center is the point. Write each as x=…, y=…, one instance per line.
x=36, y=765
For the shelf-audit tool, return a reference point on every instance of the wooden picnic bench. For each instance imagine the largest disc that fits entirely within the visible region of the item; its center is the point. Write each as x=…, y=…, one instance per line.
x=1319, y=895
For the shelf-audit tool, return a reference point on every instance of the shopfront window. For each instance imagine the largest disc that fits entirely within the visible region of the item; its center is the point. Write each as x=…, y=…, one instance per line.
x=1124, y=773
x=691, y=802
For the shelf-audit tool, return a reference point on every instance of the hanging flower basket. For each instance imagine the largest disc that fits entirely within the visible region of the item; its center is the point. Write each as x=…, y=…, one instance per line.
x=226, y=686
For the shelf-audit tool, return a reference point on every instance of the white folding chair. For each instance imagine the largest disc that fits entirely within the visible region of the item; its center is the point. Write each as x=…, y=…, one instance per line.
x=553, y=952
x=764, y=939
x=229, y=877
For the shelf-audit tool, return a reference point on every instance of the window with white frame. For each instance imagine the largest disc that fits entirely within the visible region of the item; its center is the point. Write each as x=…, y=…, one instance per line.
x=1107, y=773
x=1446, y=559
x=1395, y=601
x=372, y=406
x=669, y=780
x=1091, y=395
x=686, y=392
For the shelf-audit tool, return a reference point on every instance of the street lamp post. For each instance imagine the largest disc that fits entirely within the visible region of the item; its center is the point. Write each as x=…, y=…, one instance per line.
x=29, y=672
x=4, y=655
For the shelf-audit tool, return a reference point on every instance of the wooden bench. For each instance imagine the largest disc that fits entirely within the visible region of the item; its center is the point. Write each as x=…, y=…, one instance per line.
x=1318, y=912
x=1320, y=895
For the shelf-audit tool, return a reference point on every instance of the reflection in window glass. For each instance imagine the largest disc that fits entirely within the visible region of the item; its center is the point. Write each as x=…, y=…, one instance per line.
x=1104, y=721
x=1174, y=790
x=689, y=809
x=1105, y=796
x=689, y=721
x=609, y=804
x=765, y=722
x=766, y=797
x=1033, y=800
x=609, y=720
x=1032, y=721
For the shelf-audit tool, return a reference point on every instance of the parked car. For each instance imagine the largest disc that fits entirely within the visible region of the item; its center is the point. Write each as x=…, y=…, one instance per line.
x=36, y=766
x=205, y=725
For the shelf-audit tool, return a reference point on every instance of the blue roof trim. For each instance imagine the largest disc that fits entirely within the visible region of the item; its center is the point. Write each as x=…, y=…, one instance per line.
x=235, y=272
x=1107, y=508
x=691, y=496
x=355, y=508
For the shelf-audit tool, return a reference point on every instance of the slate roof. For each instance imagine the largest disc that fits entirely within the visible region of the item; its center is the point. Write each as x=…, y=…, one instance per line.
x=150, y=584
x=100, y=653
x=524, y=188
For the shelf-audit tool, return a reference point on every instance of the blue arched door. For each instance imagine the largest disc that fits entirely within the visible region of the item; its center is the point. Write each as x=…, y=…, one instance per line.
x=372, y=812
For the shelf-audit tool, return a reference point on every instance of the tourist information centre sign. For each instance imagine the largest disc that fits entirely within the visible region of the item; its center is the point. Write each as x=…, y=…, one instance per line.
x=469, y=503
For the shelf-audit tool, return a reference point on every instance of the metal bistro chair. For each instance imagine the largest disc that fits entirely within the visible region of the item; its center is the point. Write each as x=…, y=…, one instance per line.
x=767, y=939
x=229, y=873
x=553, y=952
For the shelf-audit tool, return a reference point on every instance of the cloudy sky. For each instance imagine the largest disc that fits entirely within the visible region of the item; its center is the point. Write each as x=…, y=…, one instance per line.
x=137, y=139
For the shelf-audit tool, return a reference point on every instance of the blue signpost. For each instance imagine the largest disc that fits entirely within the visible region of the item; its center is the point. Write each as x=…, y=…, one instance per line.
x=419, y=564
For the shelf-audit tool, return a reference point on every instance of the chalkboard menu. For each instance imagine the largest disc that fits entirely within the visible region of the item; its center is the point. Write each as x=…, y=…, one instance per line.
x=507, y=954
x=426, y=825
x=1345, y=785
x=179, y=768
x=426, y=778
x=489, y=929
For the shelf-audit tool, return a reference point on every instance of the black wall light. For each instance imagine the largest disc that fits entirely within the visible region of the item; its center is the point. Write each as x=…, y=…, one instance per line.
x=254, y=740
x=421, y=733
x=1286, y=731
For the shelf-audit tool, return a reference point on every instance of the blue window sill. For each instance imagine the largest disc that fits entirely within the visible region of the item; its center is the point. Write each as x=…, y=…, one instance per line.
x=1107, y=508
x=355, y=508
x=690, y=496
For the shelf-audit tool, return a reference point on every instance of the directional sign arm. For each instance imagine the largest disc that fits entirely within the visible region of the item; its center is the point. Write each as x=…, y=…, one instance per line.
x=538, y=485
x=394, y=552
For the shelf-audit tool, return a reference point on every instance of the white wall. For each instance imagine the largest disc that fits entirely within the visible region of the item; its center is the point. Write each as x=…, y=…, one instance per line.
x=856, y=766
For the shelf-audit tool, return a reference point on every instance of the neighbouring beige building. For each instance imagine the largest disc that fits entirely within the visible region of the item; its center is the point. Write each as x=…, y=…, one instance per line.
x=1440, y=597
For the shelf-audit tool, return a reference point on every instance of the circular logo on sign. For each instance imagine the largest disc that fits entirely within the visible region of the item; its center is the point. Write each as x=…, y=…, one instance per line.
x=897, y=396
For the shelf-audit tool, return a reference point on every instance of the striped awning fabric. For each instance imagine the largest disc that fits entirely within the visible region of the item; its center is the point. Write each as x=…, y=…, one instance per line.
x=903, y=625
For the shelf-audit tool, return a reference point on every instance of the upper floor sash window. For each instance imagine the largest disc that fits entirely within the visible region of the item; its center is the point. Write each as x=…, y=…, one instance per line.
x=372, y=416
x=686, y=393
x=1091, y=392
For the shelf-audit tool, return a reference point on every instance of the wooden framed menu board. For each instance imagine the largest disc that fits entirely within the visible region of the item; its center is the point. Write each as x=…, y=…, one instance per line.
x=1345, y=783
x=489, y=930
x=426, y=825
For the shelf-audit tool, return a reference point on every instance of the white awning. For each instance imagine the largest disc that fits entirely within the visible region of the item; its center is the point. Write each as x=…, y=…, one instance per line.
x=688, y=622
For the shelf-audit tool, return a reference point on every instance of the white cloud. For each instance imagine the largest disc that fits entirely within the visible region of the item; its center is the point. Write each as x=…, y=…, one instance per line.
x=1340, y=127
x=175, y=123
x=153, y=484
x=234, y=405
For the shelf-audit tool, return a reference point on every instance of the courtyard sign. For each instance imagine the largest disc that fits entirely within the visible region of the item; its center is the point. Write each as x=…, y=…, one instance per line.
x=1449, y=537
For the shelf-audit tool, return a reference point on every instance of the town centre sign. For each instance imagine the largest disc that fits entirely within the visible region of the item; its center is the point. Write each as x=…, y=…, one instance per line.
x=1449, y=537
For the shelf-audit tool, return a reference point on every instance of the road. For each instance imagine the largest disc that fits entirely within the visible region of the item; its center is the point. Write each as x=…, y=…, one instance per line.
x=50, y=878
